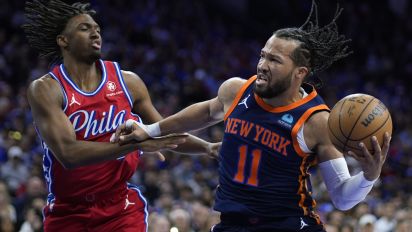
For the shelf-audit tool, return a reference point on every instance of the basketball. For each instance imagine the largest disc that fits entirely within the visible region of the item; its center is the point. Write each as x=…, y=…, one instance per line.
x=356, y=118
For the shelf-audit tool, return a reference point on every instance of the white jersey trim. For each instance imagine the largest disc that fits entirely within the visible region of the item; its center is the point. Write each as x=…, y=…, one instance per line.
x=300, y=135
x=65, y=101
x=121, y=80
x=74, y=86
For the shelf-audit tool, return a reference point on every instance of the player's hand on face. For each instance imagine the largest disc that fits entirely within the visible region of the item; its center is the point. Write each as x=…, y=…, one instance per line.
x=372, y=163
x=213, y=150
x=128, y=132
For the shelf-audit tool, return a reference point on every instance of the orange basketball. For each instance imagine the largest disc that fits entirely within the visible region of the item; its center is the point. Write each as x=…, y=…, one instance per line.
x=356, y=118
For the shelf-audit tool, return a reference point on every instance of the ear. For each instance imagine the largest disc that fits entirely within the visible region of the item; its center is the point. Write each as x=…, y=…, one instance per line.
x=302, y=72
x=62, y=41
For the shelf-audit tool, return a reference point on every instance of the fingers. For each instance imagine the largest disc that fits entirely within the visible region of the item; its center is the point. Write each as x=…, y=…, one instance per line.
x=375, y=145
x=160, y=156
x=126, y=138
x=115, y=137
x=130, y=124
x=356, y=156
x=386, y=143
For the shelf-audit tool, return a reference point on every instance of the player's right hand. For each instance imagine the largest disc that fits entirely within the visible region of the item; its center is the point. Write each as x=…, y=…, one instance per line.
x=129, y=131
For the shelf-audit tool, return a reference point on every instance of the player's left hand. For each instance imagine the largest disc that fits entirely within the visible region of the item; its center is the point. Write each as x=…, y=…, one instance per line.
x=372, y=163
x=213, y=150
x=130, y=131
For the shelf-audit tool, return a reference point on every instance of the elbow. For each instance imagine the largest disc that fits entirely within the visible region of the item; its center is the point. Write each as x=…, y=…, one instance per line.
x=343, y=204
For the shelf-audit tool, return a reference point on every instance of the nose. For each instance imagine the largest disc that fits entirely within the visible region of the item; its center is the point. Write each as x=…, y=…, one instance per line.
x=263, y=66
x=95, y=34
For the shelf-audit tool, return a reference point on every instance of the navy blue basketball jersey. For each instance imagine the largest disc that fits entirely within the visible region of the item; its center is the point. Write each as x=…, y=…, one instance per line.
x=263, y=171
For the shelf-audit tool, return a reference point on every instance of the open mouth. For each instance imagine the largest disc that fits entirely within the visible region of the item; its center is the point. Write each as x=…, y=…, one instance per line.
x=261, y=79
x=96, y=45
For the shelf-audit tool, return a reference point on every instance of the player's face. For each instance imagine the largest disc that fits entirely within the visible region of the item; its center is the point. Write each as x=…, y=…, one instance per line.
x=83, y=38
x=275, y=68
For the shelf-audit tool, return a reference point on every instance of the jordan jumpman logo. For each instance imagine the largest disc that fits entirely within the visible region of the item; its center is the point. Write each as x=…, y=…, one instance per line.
x=127, y=203
x=302, y=223
x=244, y=101
x=74, y=101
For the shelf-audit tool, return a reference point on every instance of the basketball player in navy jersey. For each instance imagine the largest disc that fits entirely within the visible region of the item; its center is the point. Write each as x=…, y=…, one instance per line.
x=275, y=129
x=76, y=107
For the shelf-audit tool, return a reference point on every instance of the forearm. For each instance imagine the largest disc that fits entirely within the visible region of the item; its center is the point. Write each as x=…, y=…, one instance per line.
x=196, y=116
x=345, y=190
x=79, y=153
x=193, y=145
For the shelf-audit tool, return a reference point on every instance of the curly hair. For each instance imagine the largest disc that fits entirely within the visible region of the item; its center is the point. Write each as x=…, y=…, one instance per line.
x=319, y=46
x=46, y=19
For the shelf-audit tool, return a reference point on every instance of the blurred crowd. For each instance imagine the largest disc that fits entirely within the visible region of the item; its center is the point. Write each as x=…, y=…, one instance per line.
x=183, y=50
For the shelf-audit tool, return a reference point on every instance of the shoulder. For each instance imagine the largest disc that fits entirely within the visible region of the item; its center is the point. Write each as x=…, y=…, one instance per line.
x=44, y=88
x=229, y=89
x=135, y=85
x=131, y=78
x=316, y=129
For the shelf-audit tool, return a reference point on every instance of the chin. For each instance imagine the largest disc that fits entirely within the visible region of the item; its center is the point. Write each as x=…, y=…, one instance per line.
x=95, y=56
x=266, y=92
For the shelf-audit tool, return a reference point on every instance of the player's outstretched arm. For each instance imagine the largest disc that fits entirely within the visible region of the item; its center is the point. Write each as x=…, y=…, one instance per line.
x=45, y=98
x=345, y=190
x=196, y=116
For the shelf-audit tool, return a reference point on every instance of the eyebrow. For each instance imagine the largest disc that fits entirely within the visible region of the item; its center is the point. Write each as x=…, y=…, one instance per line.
x=271, y=55
x=89, y=25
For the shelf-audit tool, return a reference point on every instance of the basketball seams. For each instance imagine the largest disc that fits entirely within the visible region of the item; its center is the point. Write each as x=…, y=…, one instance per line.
x=340, y=111
x=356, y=122
x=334, y=135
x=354, y=117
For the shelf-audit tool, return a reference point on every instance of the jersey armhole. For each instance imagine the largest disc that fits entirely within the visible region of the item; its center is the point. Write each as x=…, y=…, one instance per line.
x=239, y=95
x=65, y=101
x=122, y=83
x=299, y=125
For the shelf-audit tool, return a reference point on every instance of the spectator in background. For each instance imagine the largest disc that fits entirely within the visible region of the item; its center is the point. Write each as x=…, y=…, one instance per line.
x=200, y=217
x=366, y=223
x=181, y=219
x=386, y=222
x=7, y=210
x=33, y=196
x=14, y=171
x=33, y=221
x=159, y=223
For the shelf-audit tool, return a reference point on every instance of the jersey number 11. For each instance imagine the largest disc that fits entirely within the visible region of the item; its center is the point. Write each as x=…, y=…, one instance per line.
x=241, y=165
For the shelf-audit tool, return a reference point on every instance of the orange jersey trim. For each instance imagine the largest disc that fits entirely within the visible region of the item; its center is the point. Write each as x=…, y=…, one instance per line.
x=291, y=106
x=239, y=95
x=302, y=184
x=299, y=123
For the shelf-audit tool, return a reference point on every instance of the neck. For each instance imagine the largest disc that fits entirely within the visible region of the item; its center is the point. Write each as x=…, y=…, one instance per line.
x=86, y=76
x=290, y=96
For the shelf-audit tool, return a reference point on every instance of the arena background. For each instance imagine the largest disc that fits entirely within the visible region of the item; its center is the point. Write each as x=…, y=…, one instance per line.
x=183, y=50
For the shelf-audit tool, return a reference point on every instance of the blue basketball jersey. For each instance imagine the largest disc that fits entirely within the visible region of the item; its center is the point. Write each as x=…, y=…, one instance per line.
x=263, y=171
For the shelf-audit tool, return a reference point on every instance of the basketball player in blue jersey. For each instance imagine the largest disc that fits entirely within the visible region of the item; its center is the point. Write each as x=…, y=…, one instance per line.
x=275, y=129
